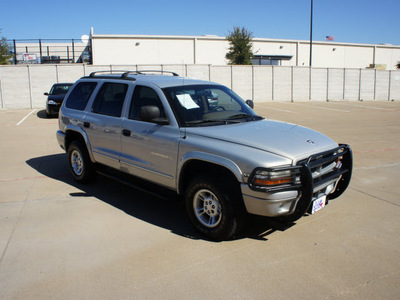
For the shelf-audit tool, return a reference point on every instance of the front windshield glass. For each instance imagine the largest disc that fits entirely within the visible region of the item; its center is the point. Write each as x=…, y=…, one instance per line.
x=199, y=105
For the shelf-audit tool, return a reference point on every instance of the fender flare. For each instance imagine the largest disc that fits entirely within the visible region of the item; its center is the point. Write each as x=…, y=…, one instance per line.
x=82, y=133
x=208, y=158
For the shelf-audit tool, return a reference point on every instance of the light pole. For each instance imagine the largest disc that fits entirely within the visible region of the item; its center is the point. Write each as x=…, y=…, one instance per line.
x=311, y=19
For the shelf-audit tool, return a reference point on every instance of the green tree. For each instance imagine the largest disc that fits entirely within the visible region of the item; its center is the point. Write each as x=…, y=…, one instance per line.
x=5, y=49
x=240, y=40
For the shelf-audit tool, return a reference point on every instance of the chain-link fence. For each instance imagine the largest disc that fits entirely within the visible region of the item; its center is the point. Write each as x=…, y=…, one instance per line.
x=50, y=51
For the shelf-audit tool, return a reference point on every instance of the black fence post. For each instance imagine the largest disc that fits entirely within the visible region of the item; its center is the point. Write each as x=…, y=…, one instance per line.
x=91, y=51
x=15, y=53
x=73, y=51
x=40, y=50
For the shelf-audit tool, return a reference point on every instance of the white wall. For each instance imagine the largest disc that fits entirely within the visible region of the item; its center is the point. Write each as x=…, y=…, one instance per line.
x=261, y=47
x=22, y=86
x=211, y=50
x=140, y=50
x=387, y=56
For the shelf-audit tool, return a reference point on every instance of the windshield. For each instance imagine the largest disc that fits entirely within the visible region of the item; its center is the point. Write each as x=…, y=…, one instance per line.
x=60, y=89
x=199, y=105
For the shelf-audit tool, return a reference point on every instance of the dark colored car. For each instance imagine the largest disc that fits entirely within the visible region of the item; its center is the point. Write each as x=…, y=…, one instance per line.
x=56, y=97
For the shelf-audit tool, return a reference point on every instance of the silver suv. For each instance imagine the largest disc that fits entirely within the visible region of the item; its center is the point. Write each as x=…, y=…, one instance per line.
x=199, y=140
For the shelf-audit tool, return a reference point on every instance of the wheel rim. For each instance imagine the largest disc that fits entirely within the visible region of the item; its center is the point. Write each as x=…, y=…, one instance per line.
x=207, y=208
x=77, y=162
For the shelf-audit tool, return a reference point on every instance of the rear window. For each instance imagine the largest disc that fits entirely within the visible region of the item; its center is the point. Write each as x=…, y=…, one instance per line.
x=80, y=95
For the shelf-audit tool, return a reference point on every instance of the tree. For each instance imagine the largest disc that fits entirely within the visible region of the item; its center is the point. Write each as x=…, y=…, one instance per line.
x=240, y=40
x=4, y=51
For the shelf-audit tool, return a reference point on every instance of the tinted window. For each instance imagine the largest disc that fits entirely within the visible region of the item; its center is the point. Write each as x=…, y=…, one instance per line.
x=60, y=89
x=110, y=99
x=80, y=95
x=143, y=96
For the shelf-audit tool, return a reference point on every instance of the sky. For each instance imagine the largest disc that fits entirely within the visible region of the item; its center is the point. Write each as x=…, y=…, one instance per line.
x=349, y=21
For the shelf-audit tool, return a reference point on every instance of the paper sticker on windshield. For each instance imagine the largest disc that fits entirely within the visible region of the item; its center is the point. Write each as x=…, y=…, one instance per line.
x=187, y=101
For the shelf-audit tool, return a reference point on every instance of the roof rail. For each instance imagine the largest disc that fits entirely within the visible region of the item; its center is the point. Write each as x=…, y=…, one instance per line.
x=142, y=72
x=125, y=73
x=111, y=72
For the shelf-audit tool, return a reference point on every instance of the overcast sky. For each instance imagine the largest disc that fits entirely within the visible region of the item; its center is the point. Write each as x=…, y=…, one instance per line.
x=352, y=21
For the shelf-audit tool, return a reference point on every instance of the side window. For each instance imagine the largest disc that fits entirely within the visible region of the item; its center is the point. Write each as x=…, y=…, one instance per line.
x=143, y=96
x=80, y=95
x=110, y=99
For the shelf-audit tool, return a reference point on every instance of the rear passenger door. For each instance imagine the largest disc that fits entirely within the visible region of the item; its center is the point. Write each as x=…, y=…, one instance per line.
x=150, y=149
x=103, y=123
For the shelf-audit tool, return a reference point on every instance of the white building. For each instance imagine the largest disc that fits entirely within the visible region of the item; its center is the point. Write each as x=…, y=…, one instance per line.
x=211, y=50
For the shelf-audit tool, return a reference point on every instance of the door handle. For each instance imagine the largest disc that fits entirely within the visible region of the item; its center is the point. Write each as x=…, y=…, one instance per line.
x=126, y=132
x=86, y=124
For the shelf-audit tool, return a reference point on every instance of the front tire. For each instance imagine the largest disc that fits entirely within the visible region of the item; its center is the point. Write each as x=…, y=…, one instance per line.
x=80, y=165
x=212, y=208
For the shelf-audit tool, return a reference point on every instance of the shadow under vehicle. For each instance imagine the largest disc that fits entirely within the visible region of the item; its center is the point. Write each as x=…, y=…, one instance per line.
x=139, y=203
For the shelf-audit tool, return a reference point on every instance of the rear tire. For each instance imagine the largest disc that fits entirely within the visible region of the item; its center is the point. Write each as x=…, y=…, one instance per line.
x=212, y=208
x=80, y=165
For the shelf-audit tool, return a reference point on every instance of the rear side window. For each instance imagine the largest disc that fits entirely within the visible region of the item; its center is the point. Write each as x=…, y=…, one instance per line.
x=80, y=95
x=110, y=99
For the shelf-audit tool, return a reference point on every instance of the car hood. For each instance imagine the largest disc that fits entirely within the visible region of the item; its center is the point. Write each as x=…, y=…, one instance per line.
x=284, y=139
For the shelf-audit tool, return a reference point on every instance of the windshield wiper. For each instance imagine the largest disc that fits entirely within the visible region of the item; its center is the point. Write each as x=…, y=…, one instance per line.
x=203, y=122
x=230, y=120
x=242, y=116
x=210, y=122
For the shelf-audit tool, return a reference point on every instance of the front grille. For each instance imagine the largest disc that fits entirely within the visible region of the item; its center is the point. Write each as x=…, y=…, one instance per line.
x=327, y=166
x=310, y=175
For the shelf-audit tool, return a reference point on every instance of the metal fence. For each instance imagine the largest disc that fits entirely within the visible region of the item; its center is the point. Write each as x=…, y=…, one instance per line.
x=50, y=51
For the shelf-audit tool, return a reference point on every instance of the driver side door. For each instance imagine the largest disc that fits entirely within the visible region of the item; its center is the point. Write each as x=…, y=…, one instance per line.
x=149, y=150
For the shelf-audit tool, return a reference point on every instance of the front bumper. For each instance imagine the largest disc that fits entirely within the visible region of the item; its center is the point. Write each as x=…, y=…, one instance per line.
x=297, y=199
x=53, y=109
x=271, y=204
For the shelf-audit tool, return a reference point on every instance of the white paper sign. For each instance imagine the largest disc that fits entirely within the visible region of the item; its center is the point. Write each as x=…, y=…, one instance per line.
x=187, y=101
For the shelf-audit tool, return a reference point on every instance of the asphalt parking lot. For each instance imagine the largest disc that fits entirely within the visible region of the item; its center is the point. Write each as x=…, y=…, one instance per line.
x=63, y=240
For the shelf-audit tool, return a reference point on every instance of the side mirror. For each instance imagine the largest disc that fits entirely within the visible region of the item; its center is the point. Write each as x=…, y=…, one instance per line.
x=151, y=113
x=46, y=94
x=250, y=103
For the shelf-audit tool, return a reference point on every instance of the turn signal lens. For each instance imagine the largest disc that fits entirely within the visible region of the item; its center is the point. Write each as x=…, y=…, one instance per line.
x=266, y=178
x=267, y=182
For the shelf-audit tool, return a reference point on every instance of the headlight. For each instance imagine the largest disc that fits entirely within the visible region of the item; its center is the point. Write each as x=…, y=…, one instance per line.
x=52, y=102
x=273, y=179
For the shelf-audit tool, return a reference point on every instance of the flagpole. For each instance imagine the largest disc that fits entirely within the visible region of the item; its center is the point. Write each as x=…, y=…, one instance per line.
x=311, y=21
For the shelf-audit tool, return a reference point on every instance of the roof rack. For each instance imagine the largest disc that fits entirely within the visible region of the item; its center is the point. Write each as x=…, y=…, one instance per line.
x=125, y=74
x=111, y=72
x=142, y=72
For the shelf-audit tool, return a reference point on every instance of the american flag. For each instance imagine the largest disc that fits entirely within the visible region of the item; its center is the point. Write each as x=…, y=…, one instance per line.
x=330, y=38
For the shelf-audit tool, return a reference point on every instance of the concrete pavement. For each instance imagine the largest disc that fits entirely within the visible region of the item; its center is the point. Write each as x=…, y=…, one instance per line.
x=63, y=240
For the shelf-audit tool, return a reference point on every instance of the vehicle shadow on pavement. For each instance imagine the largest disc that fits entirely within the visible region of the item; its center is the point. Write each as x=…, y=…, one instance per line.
x=41, y=114
x=168, y=214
